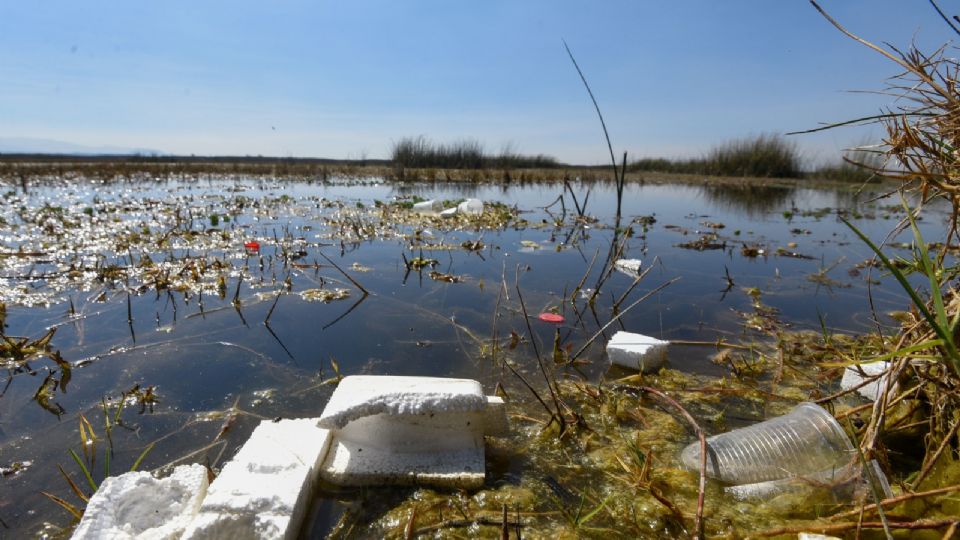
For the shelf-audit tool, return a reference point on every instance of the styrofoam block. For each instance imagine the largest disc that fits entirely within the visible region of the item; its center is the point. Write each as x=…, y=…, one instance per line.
x=852, y=378
x=631, y=267
x=449, y=212
x=410, y=430
x=350, y=463
x=366, y=395
x=139, y=505
x=637, y=351
x=815, y=536
x=264, y=491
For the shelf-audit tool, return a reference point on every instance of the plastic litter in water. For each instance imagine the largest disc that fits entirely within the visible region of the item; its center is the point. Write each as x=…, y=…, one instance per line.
x=805, y=441
x=252, y=246
x=551, y=318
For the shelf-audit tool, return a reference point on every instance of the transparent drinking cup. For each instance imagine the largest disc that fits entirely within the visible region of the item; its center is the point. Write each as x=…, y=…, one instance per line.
x=807, y=440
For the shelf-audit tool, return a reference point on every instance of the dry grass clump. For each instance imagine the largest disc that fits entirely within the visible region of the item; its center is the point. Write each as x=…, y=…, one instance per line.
x=923, y=130
x=918, y=418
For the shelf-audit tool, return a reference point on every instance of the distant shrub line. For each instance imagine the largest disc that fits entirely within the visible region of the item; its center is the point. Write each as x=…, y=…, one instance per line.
x=764, y=156
x=420, y=152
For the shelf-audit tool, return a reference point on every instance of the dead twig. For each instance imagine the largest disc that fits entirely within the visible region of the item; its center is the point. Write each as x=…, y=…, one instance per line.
x=346, y=275
x=841, y=527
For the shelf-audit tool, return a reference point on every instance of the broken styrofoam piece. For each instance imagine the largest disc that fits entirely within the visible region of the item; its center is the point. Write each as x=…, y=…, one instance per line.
x=358, y=396
x=852, y=379
x=637, y=351
x=472, y=207
x=630, y=267
x=428, y=206
x=409, y=430
x=815, y=536
x=139, y=505
x=265, y=490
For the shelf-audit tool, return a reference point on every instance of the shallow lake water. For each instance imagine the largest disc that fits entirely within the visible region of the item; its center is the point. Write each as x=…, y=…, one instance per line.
x=148, y=284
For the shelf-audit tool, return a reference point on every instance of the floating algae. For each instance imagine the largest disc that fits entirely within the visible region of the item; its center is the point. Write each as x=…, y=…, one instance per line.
x=324, y=295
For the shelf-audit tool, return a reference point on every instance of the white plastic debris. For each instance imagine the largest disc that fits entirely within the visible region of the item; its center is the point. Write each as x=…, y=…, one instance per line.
x=637, y=351
x=139, y=505
x=409, y=430
x=815, y=536
x=630, y=267
x=471, y=207
x=428, y=206
x=852, y=378
x=265, y=490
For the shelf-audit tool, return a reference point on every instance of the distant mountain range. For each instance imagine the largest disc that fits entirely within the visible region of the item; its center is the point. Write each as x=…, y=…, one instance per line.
x=26, y=145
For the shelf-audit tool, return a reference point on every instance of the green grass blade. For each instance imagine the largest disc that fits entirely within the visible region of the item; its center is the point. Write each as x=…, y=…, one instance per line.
x=948, y=344
x=593, y=512
x=929, y=344
x=928, y=269
x=136, y=464
x=83, y=468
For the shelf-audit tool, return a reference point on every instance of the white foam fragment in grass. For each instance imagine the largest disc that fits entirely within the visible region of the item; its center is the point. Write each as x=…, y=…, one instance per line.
x=637, y=351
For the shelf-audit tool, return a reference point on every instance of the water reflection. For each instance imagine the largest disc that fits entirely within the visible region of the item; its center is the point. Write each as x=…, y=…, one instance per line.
x=745, y=199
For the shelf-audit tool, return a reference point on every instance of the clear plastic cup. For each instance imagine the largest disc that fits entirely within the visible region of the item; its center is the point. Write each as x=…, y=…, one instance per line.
x=807, y=440
x=847, y=485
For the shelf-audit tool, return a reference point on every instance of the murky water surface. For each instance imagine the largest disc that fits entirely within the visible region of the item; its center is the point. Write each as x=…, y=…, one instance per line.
x=149, y=286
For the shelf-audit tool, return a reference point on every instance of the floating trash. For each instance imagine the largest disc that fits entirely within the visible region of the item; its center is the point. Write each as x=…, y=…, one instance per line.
x=471, y=206
x=637, y=351
x=631, y=267
x=428, y=206
x=551, y=318
x=807, y=440
x=252, y=246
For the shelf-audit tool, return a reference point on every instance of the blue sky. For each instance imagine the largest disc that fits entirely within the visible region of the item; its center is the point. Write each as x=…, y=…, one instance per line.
x=345, y=79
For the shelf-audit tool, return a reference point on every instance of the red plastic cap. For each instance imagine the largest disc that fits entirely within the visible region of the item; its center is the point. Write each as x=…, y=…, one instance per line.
x=252, y=246
x=551, y=318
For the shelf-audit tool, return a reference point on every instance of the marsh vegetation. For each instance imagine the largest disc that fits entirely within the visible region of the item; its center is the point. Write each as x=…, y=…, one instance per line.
x=152, y=313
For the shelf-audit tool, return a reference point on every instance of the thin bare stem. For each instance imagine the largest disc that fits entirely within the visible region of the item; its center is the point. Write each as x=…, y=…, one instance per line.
x=346, y=275
x=617, y=317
